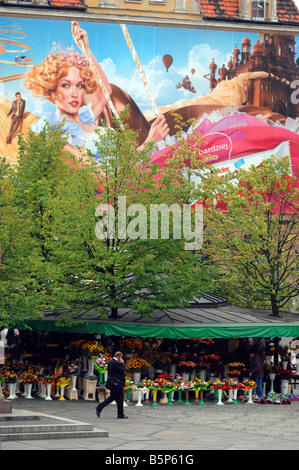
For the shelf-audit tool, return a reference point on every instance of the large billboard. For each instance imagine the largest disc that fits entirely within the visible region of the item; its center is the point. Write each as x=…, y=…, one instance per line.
x=240, y=87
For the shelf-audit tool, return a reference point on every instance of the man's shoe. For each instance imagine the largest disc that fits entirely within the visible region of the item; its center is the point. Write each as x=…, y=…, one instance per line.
x=122, y=417
x=98, y=410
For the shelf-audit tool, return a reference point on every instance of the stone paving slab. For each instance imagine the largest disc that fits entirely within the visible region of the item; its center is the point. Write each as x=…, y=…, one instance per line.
x=173, y=428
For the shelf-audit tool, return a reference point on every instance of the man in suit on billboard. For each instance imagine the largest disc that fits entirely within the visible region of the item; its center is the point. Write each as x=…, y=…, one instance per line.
x=16, y=111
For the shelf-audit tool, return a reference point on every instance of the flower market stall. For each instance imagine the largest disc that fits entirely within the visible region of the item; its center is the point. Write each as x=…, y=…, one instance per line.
x=198, y=355
x=158, y=372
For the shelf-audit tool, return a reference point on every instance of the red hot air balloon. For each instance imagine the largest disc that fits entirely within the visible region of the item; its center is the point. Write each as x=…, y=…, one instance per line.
x=167, y=61
x=193, y=71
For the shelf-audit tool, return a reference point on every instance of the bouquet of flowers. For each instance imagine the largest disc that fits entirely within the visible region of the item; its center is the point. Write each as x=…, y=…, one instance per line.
x=92, y=349
x=139, y=386
x=285, y=374
x=179, y=381
x=283, y=351
x=189, y=385
x=159, y=359
x=232, y=383
x=28, y=378
x=235, y=368
x=48, y=379
x=130, y=344
x=128, y=381
x=73, y=366
x=200, y=384
x=9, y=376
x=136, y=364
x=158, y=384
x=272, y=369
x=248, y=384
x=187, y=366
x=219, y=384
x=175, y=358
x=203, y=366
x=101, y=362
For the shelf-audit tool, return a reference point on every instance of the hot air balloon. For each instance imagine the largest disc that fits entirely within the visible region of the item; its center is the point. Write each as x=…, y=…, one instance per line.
x=193, y=71
x=167, y=61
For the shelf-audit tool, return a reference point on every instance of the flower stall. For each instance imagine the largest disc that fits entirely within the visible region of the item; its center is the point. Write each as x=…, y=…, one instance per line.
x=177, y=371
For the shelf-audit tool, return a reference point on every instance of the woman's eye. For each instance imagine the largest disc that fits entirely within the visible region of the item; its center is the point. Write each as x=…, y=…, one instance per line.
x=81, y=85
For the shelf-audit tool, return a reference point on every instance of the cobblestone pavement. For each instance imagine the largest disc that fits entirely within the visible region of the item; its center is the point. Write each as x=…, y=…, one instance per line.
x=179, y=427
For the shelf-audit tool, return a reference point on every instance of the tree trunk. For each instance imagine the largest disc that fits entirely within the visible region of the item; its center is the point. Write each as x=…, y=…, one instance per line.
x=114, y=312
x=275, y=310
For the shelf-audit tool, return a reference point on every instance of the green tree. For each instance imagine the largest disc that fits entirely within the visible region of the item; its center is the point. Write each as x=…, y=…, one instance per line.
x=28, y=191
x=254, y=233
x=15, y=254
x=112, y=260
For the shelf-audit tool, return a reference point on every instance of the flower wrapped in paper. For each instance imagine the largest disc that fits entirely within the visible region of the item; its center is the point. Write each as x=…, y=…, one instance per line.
x=63, y=381
x=200, y=384
x=101, y=362
x=232, y=384
x=248, y=384
x=128, y=382
x=139, y=387
x=219, y=384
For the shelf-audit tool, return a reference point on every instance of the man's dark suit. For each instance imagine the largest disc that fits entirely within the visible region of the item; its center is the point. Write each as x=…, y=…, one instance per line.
x=15, y=120
x=115, y=370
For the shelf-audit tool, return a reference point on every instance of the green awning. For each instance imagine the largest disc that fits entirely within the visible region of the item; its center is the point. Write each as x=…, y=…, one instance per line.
x=244, y=330
x=211, y=316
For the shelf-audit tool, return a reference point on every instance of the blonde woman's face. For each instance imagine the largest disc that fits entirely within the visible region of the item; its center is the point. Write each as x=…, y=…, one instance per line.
x=70, y=92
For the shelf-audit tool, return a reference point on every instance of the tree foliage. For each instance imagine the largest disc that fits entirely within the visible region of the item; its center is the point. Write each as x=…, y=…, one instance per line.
x=254, y=234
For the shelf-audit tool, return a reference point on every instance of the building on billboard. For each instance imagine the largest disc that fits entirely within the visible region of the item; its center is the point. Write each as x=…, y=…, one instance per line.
x=272, y=53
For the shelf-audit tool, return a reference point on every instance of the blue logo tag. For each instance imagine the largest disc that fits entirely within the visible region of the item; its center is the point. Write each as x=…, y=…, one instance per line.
x=239, y=163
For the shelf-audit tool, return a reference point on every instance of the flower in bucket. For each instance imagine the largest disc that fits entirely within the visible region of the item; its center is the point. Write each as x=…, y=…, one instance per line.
x=175, y=358
x=159, y=359
x=271, y=369
x=73, y=366
x=187, y=366
x=91, y=349
x=235, y=368
x=136, y=364
x=285, y=374
x=130, y=344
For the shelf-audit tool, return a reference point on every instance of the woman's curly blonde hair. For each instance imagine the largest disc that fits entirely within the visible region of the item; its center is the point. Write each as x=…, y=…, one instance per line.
x=42, y=79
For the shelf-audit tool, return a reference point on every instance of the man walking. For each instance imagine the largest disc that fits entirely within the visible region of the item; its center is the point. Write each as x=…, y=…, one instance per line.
x=116, y=370
x=16, y=111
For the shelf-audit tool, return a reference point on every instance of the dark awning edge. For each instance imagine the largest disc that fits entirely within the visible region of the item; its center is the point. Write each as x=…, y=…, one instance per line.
x=244, y=330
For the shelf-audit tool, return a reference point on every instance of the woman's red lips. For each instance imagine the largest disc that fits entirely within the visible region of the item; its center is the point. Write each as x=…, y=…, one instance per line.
x=74, y=103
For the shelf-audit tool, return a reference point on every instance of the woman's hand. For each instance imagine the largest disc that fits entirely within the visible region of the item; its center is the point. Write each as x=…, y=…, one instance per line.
x=79, y=33
x=158, y=131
